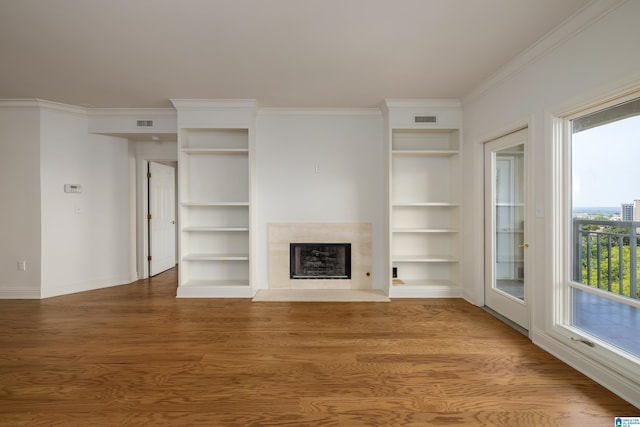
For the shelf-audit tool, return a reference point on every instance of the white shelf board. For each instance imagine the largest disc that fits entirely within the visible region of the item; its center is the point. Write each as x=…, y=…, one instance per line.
x=424, y=258
x=216, y=257
x=426, y=283
x=215, y=283
x=426, y=204
x=216, y=229
x=225, y=151
x=214, y=204
x=424, y=230
x=426, y=153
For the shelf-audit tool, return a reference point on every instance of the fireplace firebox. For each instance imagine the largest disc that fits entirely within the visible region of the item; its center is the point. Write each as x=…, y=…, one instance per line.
x=320, y=260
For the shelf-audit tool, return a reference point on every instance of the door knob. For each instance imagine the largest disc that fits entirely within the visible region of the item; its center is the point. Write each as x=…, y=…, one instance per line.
x=525, y=245
x=173, y=222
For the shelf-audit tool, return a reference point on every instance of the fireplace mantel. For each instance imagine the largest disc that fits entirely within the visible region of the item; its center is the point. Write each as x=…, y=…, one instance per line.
x=281, y=235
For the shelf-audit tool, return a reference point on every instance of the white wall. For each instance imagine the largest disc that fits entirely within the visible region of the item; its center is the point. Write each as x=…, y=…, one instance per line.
x=348, y=186
x=20, y=195
x=157, y=150
x=595, y=60
x=85, y=237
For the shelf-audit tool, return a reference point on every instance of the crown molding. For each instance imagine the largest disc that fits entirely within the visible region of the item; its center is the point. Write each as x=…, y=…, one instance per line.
x=26, y=103
x=19, y=103
x=212, y=104
x=311, y=111
x=56, y=106
x=584, y=18
x=131, y=112
x=412, y=104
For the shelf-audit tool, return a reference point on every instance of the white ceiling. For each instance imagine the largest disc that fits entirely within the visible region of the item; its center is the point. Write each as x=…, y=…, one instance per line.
x=285, y=53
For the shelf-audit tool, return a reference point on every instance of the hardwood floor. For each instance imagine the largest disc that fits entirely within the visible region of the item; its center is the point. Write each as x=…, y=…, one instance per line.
x=135, y=355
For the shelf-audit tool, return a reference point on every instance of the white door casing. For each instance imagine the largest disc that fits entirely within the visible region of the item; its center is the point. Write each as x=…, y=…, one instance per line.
x=162, y=222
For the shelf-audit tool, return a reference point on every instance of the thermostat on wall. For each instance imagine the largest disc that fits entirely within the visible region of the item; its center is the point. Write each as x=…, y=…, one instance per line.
x=72, y=188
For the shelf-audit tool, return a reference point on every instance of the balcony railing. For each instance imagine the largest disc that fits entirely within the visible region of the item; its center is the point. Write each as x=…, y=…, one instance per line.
x=606, y=255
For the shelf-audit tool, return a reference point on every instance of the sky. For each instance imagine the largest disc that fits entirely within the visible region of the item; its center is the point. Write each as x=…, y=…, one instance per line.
x=606, y=164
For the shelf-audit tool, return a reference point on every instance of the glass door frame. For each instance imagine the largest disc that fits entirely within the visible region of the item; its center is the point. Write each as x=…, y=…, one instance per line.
x=509, y=306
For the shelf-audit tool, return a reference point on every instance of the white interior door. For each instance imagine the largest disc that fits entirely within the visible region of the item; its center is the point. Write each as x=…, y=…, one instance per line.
x=505, y=227
x=162, y=220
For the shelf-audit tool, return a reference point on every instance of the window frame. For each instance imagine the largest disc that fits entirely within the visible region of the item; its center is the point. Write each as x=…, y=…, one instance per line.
x=559, y=325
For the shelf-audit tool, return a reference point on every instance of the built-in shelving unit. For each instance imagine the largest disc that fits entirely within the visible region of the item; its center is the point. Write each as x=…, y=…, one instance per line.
x=424, y=198
x=215, y=192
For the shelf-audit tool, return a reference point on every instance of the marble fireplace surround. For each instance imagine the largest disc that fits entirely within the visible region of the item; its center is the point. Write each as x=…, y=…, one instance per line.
x=282, y=234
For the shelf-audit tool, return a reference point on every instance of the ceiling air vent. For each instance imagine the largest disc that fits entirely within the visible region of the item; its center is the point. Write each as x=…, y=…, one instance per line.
x=425, y=119
x=144, y=123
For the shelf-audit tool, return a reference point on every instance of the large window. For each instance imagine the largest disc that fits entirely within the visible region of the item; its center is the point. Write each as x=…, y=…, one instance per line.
x=603, y=293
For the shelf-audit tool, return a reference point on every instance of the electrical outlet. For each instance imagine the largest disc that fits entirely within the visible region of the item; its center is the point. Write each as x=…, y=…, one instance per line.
x=22, y=265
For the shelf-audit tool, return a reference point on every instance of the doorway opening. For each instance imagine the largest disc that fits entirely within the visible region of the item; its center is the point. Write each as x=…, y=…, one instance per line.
x=161, y=217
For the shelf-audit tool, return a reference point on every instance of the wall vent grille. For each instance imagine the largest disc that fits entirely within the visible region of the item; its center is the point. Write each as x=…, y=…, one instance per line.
x=425, y=119
x=144, y=123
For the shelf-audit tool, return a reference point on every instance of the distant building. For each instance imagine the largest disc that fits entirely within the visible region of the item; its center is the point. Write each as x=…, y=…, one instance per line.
x=627, y=211
x=636, y=215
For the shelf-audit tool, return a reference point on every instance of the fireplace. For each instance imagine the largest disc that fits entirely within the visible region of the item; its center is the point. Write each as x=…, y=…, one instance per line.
x=320, y=260
x=357, y=234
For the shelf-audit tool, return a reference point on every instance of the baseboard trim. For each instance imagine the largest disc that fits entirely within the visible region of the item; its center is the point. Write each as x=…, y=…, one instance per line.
x=20, y=294
x=609, y=379
x=74, y=288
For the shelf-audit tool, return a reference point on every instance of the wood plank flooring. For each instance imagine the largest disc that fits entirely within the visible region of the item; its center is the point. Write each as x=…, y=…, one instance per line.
x=135, y=355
